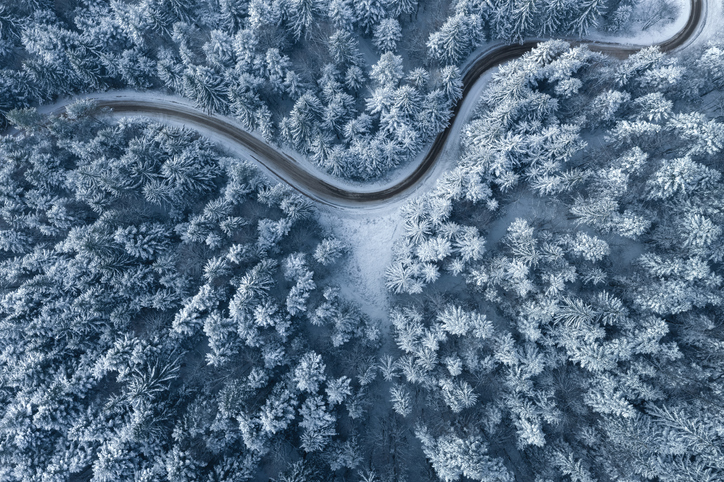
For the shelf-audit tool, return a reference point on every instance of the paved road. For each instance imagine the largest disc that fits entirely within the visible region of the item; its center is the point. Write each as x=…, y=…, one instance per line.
x=304, y=180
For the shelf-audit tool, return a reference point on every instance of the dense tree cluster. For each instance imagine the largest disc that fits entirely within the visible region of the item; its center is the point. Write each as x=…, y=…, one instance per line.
x=299, y=72
x=468, y=24
x=167, y=312
x=257, y=61
x=570, y=268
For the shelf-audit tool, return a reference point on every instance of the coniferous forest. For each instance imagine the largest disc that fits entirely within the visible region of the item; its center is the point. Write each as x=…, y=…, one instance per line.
x=171, y=313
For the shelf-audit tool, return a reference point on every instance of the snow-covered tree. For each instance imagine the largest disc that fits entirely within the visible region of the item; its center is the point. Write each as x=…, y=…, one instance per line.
x=452, y=457
x=459, y=35
x=309, y=372
x=386, y=34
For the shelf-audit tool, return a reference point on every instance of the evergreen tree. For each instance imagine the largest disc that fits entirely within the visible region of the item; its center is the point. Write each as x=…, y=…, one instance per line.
x=458, y=36
x=368, y=13
x=309, y=372
x=300, y=16
x=205, y=87
x=318, y=424
x=388, y=71
x=386, y=35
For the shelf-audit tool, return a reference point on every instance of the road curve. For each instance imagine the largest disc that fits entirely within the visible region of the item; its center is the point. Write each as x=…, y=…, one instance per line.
x=305, y=181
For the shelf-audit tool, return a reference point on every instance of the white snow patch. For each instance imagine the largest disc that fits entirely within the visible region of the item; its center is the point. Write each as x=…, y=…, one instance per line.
x=658, y=32
x=370, y=237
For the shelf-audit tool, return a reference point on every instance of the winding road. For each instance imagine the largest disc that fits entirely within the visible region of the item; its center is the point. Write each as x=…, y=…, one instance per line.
x=301, y=176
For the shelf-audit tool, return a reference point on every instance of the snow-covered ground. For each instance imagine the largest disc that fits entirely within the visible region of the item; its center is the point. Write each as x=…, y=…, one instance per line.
x=710, y=29
x=658, y=32
x=369, y=232
x=370, y=238
x=713, y=23
x=234, y=148
x=159, y=98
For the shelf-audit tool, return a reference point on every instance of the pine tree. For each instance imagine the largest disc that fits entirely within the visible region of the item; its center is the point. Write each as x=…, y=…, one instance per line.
x=388, y=71
x=458, y=36
x=569, y=466
x=205, y=87
x=278, y=411
x=386, y=35
x=318, y=424
x=454, y=320
x=342, y=14
x=277, y=66
x=451, y=84
x=354, y=78
x=136, y=68
x=400, y=7
x=381, y=101
x=368, y=13
x=300, y=16
x=434, y=115
x=588, y=247
x=588, y=15
x=452, y=457
x=680, y=177
x=338, y=390
x=407, y=100
x=299, y=128
x=328, y=251
x=711, y=63
x=309, y=372
x=400, y=399
x=344, y=48
x=233, y=13
x=418, y=78
x=469, y=244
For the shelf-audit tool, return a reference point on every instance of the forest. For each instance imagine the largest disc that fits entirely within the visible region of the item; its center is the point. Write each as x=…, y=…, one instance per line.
x=563, y=284
x=168, y=312
x=358, y=87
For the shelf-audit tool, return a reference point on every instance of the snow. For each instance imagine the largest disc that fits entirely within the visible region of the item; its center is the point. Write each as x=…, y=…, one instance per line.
x=370, y=237
x=156, y=98
x=709, y=31
x=713, y=23
x=175, y=100
x=659, y=32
